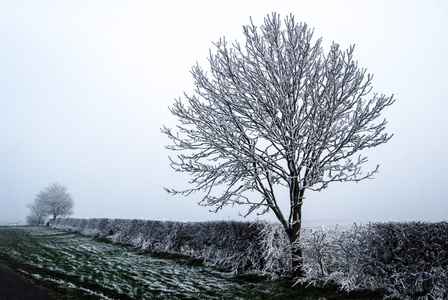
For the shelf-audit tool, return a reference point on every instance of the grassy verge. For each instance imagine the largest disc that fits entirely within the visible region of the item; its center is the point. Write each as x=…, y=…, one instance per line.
x=77, y=267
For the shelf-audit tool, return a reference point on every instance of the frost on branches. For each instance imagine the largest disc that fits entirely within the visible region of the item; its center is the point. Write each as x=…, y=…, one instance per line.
x=276, y=113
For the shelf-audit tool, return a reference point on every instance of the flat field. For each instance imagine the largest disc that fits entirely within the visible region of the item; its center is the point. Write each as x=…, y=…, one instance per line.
x=72, y=266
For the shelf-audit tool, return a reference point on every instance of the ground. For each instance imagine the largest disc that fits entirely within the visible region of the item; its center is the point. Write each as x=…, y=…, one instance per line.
x=14, y=286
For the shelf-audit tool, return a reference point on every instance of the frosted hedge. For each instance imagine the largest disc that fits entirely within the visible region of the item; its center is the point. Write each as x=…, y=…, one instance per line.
x=259, y=248
x=406, y=260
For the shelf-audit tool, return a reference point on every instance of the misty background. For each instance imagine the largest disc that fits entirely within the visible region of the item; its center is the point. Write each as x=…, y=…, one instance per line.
x=85, y=87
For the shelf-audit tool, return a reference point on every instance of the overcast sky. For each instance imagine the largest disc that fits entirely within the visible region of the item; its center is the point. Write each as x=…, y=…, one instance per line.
x=85, y=88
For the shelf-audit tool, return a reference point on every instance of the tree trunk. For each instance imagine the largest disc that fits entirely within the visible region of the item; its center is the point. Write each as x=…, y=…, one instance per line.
x=295, y=229
x=296, y=254
x=295, y=220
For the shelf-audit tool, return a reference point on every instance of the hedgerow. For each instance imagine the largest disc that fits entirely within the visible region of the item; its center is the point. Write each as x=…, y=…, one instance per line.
x=406, y=260
x=239, y=247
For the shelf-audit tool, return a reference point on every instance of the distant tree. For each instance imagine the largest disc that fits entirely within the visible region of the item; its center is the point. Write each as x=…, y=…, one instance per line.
x=37, y=215
x=55, y=200
x=277, y=113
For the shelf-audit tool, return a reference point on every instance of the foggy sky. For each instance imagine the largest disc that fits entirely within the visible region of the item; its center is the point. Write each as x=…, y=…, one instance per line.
x=85, y=88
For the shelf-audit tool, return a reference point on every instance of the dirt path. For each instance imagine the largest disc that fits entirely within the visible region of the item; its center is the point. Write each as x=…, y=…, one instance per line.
x=15, y=287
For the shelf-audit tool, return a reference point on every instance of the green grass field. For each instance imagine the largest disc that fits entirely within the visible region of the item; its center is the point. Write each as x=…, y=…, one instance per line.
x=76, y=267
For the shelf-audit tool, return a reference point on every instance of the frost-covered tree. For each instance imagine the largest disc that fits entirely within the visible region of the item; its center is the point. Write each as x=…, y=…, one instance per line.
x=276, y=113
x=37, y=214
x=54, y=200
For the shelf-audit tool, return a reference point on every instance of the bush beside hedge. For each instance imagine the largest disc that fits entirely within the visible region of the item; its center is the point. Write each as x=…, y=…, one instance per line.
x=259, y=248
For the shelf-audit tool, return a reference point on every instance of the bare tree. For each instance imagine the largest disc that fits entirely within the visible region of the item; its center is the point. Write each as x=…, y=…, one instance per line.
x=37, y=213
x=55, y=200
x=277, y=113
